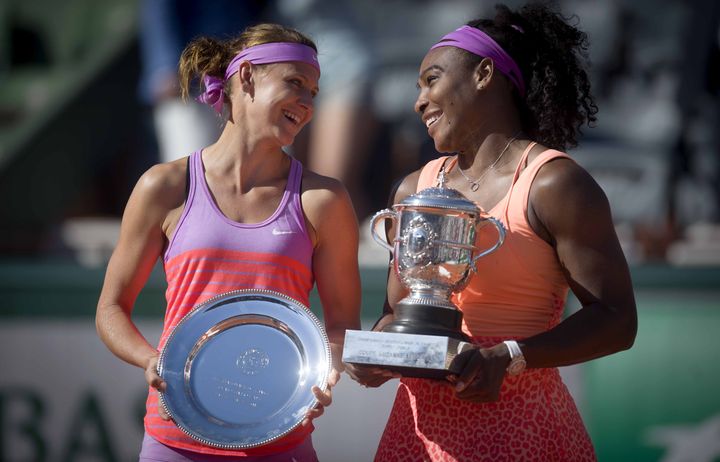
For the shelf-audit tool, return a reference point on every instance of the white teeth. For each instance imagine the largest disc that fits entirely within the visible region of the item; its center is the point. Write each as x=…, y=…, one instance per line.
x=292, y=116
x=431, y=120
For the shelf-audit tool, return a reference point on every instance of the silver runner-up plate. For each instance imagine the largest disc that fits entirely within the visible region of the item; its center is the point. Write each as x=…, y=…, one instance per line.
x=240, y=367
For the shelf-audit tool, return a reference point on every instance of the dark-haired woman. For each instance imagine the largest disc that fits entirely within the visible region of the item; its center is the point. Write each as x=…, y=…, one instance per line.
x=237, y=214
x=505, y=97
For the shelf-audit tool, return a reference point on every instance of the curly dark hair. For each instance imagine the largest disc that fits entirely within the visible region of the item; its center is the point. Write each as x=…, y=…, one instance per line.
x=552, y=55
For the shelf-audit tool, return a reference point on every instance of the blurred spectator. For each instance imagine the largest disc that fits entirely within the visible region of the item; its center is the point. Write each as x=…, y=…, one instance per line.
x=166, y=26
x=401, y=45
x=638, y=58
x=341, y=133
x=696, y=160
x=695, y=164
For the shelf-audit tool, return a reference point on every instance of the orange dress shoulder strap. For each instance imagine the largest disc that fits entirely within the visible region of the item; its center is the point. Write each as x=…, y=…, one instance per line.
x=429, y=174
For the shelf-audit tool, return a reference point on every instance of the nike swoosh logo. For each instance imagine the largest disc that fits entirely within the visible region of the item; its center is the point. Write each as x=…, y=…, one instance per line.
x=277, y=232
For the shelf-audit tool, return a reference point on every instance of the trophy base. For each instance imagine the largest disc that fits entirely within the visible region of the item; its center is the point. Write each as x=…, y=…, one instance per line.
x=412, y=355
x=427, y=320
x=422, y=341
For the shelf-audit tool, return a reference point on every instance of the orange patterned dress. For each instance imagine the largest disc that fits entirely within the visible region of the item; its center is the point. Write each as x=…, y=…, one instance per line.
x=519, y=291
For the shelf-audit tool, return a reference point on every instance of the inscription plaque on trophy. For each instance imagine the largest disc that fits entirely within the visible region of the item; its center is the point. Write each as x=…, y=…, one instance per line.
x=413, y=355
x=434, y=255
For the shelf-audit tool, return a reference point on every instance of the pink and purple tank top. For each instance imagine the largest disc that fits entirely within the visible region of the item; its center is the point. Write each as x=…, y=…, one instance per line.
x=209, y=255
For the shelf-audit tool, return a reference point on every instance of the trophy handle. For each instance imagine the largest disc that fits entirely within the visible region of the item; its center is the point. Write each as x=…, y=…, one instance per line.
x=501, y=238
x=382, y=215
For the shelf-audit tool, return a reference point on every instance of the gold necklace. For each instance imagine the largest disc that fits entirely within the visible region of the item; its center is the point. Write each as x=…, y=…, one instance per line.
x=475, y=184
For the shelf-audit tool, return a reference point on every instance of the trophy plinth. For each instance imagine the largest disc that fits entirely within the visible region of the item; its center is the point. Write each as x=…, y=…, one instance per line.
x=434, y=255
x=413, y=355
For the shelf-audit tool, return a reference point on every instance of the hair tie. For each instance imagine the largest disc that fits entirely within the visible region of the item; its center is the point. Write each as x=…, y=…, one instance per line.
x=214, y=93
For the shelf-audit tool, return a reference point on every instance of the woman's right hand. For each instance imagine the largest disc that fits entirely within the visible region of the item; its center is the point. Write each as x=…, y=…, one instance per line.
x=370, y=376
x=155, y=381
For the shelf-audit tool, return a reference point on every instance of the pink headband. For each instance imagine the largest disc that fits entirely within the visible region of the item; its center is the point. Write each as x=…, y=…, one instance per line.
x=479, y=43
x=266, y=53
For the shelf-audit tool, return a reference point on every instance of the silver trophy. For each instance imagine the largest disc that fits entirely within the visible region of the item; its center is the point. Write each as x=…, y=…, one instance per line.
x=434, y=255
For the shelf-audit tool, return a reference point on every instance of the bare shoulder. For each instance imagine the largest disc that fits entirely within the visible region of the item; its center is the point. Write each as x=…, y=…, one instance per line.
x=564, y=178
x=327, y=207
x=323, y=197
x=313, y=182
x=319, y=191
x=406, y=187
x=564, y=195
x=164, y=184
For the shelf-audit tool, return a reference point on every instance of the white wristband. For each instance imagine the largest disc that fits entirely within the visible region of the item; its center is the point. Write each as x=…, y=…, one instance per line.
x=513, y=348
x=517, y=360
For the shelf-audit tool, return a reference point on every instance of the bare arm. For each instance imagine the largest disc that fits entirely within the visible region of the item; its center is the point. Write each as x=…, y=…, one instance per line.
x=395, y=290
x=335, y=265
x=569, y=210
x=334, y=229
x=372, y=376
x=569, y=207
x=141, y=242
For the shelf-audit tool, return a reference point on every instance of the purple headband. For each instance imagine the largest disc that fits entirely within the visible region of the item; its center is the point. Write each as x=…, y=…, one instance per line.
x=266, y=53
x=479, y=43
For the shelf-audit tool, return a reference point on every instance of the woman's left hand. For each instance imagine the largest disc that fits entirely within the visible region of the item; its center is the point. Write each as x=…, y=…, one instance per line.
x=324, y=398
x=482, y=373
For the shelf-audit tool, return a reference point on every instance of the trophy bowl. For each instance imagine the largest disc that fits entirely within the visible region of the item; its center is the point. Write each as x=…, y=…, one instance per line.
x=434, y=255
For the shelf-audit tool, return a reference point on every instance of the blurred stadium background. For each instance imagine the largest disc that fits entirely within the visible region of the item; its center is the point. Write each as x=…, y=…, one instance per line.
x=75, y=136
